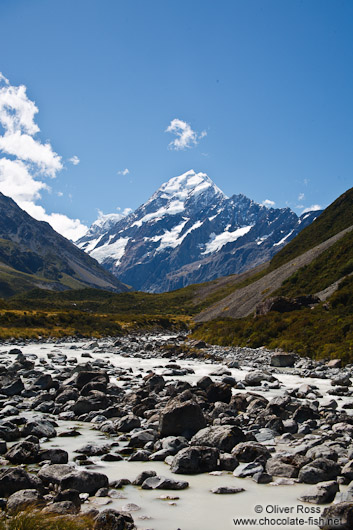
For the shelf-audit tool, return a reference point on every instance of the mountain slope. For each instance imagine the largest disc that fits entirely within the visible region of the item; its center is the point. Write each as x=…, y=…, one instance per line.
x=325, y=328
x=32, y=255
x=188, y=232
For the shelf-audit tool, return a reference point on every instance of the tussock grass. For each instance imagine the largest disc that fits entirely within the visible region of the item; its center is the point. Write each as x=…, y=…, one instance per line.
x=34, y=520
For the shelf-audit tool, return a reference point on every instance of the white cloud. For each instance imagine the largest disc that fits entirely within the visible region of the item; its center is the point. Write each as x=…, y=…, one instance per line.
x=124, y=172
x=71, y=228
x=268, y=203
x=313, y=208
x=25, y=161
x=301, y=196
x=185, y=136
x=74, y=160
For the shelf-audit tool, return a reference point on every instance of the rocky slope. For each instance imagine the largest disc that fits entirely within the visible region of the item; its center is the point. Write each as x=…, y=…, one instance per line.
x=32, y=255
x=188, y=232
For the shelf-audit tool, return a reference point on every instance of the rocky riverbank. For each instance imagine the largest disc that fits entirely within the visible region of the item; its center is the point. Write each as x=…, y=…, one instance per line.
x=168, y=403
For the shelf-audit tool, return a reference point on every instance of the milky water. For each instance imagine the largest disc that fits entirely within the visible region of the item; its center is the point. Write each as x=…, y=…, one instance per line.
x=197, y=508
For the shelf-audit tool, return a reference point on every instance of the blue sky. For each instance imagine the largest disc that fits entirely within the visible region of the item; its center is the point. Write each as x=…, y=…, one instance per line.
x=265, y=86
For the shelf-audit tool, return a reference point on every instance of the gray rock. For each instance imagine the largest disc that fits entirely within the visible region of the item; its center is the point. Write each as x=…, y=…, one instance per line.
x=114, y=520
x=249, y=470
x=223, y=437
x=322, y=493
x=128, y=423
x=163, y=483
x=257, y=377
x=183, y=418
x=39, y=428
x=195, y=459
x=55, y=456
x=21, y=500
x=250, y=451
x=23, y=453
x=225, y=490
x=337, y=517
x=319, y=470
x=140, y=479
x=283, y=360
x=84, y=481
x=15, y=479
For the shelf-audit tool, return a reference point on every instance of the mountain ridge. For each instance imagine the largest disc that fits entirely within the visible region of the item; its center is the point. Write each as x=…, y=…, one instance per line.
x=32, y=254
x=188, y=232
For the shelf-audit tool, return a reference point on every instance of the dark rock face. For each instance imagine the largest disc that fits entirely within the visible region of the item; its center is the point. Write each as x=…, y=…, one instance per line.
x=195, y=460
x=181, y=418
x=284, y=305
x=190, y=232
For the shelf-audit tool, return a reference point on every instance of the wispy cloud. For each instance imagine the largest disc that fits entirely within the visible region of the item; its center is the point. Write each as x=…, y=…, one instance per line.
x=313, y=208
x=268, y=203
x=124, y=172
x=301, y=196
x=25, y=161
x=74, y=160
x=185, y=136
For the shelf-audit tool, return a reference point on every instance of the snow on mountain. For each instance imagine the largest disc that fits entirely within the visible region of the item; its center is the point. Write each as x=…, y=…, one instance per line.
x=189, y=231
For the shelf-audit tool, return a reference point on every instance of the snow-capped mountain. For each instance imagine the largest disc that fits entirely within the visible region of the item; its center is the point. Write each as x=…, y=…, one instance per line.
x=189, y=231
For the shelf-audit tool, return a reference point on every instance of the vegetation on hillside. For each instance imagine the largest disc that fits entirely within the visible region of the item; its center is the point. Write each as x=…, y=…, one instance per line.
x=336, y=217
x=333, y=264
x=323, y=332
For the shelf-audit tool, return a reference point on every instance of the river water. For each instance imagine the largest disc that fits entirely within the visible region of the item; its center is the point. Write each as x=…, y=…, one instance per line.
x=196, y=508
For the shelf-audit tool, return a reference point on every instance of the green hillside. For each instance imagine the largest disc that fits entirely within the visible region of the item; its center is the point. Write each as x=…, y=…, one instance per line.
x=336, y=217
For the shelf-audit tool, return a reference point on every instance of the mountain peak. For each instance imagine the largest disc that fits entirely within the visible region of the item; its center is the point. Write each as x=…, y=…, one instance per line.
x=186, y=185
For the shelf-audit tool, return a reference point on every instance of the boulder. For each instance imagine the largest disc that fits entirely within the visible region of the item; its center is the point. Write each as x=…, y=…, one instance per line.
x=223, y=437
x=85, y=377
x=9, y=431
x=114, y=520
x=55, y=456
x=283, y=360
x=128, y=423
x=319, y=470
x=195, y=459
x=95, y=401
x=15, y=479
x=163, y=483
x=322, y=493
x=250, y=451
x=183, y=418
x=23, y=453
x=84, y=481
x=337, y=517
x=218, y=392
x=39, y=428
x=23, y=499
x=257, y=377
